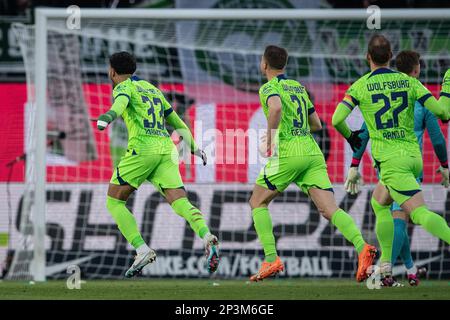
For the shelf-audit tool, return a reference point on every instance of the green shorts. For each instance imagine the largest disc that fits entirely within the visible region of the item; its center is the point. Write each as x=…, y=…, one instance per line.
x=159, y=169
x=305, y=171
x=399, y=175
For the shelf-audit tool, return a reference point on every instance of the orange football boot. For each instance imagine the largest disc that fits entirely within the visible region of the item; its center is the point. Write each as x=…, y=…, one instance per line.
x=268, y=269
x=365, y=260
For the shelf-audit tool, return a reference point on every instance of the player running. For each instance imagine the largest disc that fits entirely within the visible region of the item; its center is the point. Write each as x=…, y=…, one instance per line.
x=406, y=62
x=151, y=156
x=386, y=99
x=294, y=157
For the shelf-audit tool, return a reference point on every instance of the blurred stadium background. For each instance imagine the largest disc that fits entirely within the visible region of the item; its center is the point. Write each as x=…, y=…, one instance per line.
x=209, y=71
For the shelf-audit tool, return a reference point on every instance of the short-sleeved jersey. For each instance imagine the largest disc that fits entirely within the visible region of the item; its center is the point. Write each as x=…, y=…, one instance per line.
x=294, y=136
x=144, y=116
x=386, y=99
x=423, y=119
x=445, y=91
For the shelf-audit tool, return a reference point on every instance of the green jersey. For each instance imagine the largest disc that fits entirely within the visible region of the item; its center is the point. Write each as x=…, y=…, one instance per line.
x=445, y=91
x=386, y=99
x=294, y=136
x=144, y=116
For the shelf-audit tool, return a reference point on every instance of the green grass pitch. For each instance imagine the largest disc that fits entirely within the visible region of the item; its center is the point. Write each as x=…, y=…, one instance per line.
x=180, y=289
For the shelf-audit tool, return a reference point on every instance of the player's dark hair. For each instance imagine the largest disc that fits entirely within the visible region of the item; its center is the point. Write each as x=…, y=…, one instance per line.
x=406, y=61
x=123, y=62
x=276, y=57
x=379, y=49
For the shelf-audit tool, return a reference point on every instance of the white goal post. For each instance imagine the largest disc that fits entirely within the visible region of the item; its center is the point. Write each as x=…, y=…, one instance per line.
x=44, y=15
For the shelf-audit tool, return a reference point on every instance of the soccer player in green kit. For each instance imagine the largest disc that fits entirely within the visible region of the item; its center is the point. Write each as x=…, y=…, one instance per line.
x=152, y=156
x=294, y=157
x=386, y=99
x=407, y=62
x=445, y=90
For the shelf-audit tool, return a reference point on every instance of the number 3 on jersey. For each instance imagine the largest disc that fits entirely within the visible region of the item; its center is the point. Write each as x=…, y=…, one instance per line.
x=298, y=123
x=152, y=114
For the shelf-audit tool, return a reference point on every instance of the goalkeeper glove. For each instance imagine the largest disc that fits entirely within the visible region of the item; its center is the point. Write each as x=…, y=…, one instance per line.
x=200, y=153
x=354, y=140
x=353, y=181
x=445, y=176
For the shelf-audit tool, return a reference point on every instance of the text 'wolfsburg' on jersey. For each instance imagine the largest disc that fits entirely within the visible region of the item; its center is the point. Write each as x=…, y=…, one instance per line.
x=144, y=116
x=386, y=99
x=294, y=136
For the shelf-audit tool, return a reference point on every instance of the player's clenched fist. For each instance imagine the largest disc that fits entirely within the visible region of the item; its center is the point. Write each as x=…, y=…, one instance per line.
x=353, y=181
x=445, y=176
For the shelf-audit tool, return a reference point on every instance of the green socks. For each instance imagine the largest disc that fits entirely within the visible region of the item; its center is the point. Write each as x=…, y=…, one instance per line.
x=432, y=222
x=193, y=216
x=264, y=229
x=128, y=226
x=263, y=226
x=384, y=228
x=125, y=221
x=346, y=225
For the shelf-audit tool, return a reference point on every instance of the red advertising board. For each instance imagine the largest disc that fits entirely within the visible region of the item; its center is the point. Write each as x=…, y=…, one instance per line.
x=227, y=116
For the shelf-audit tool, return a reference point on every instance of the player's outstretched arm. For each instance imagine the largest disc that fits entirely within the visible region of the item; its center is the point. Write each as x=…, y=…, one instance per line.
x=118, y=107
x=441, y=108
x=439, y=145
x=437, y=107
x=437, y=138
x=338, y=121
x=183, y=130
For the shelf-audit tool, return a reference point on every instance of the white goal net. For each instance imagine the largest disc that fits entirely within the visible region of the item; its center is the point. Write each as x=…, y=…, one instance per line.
x=209, y=70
